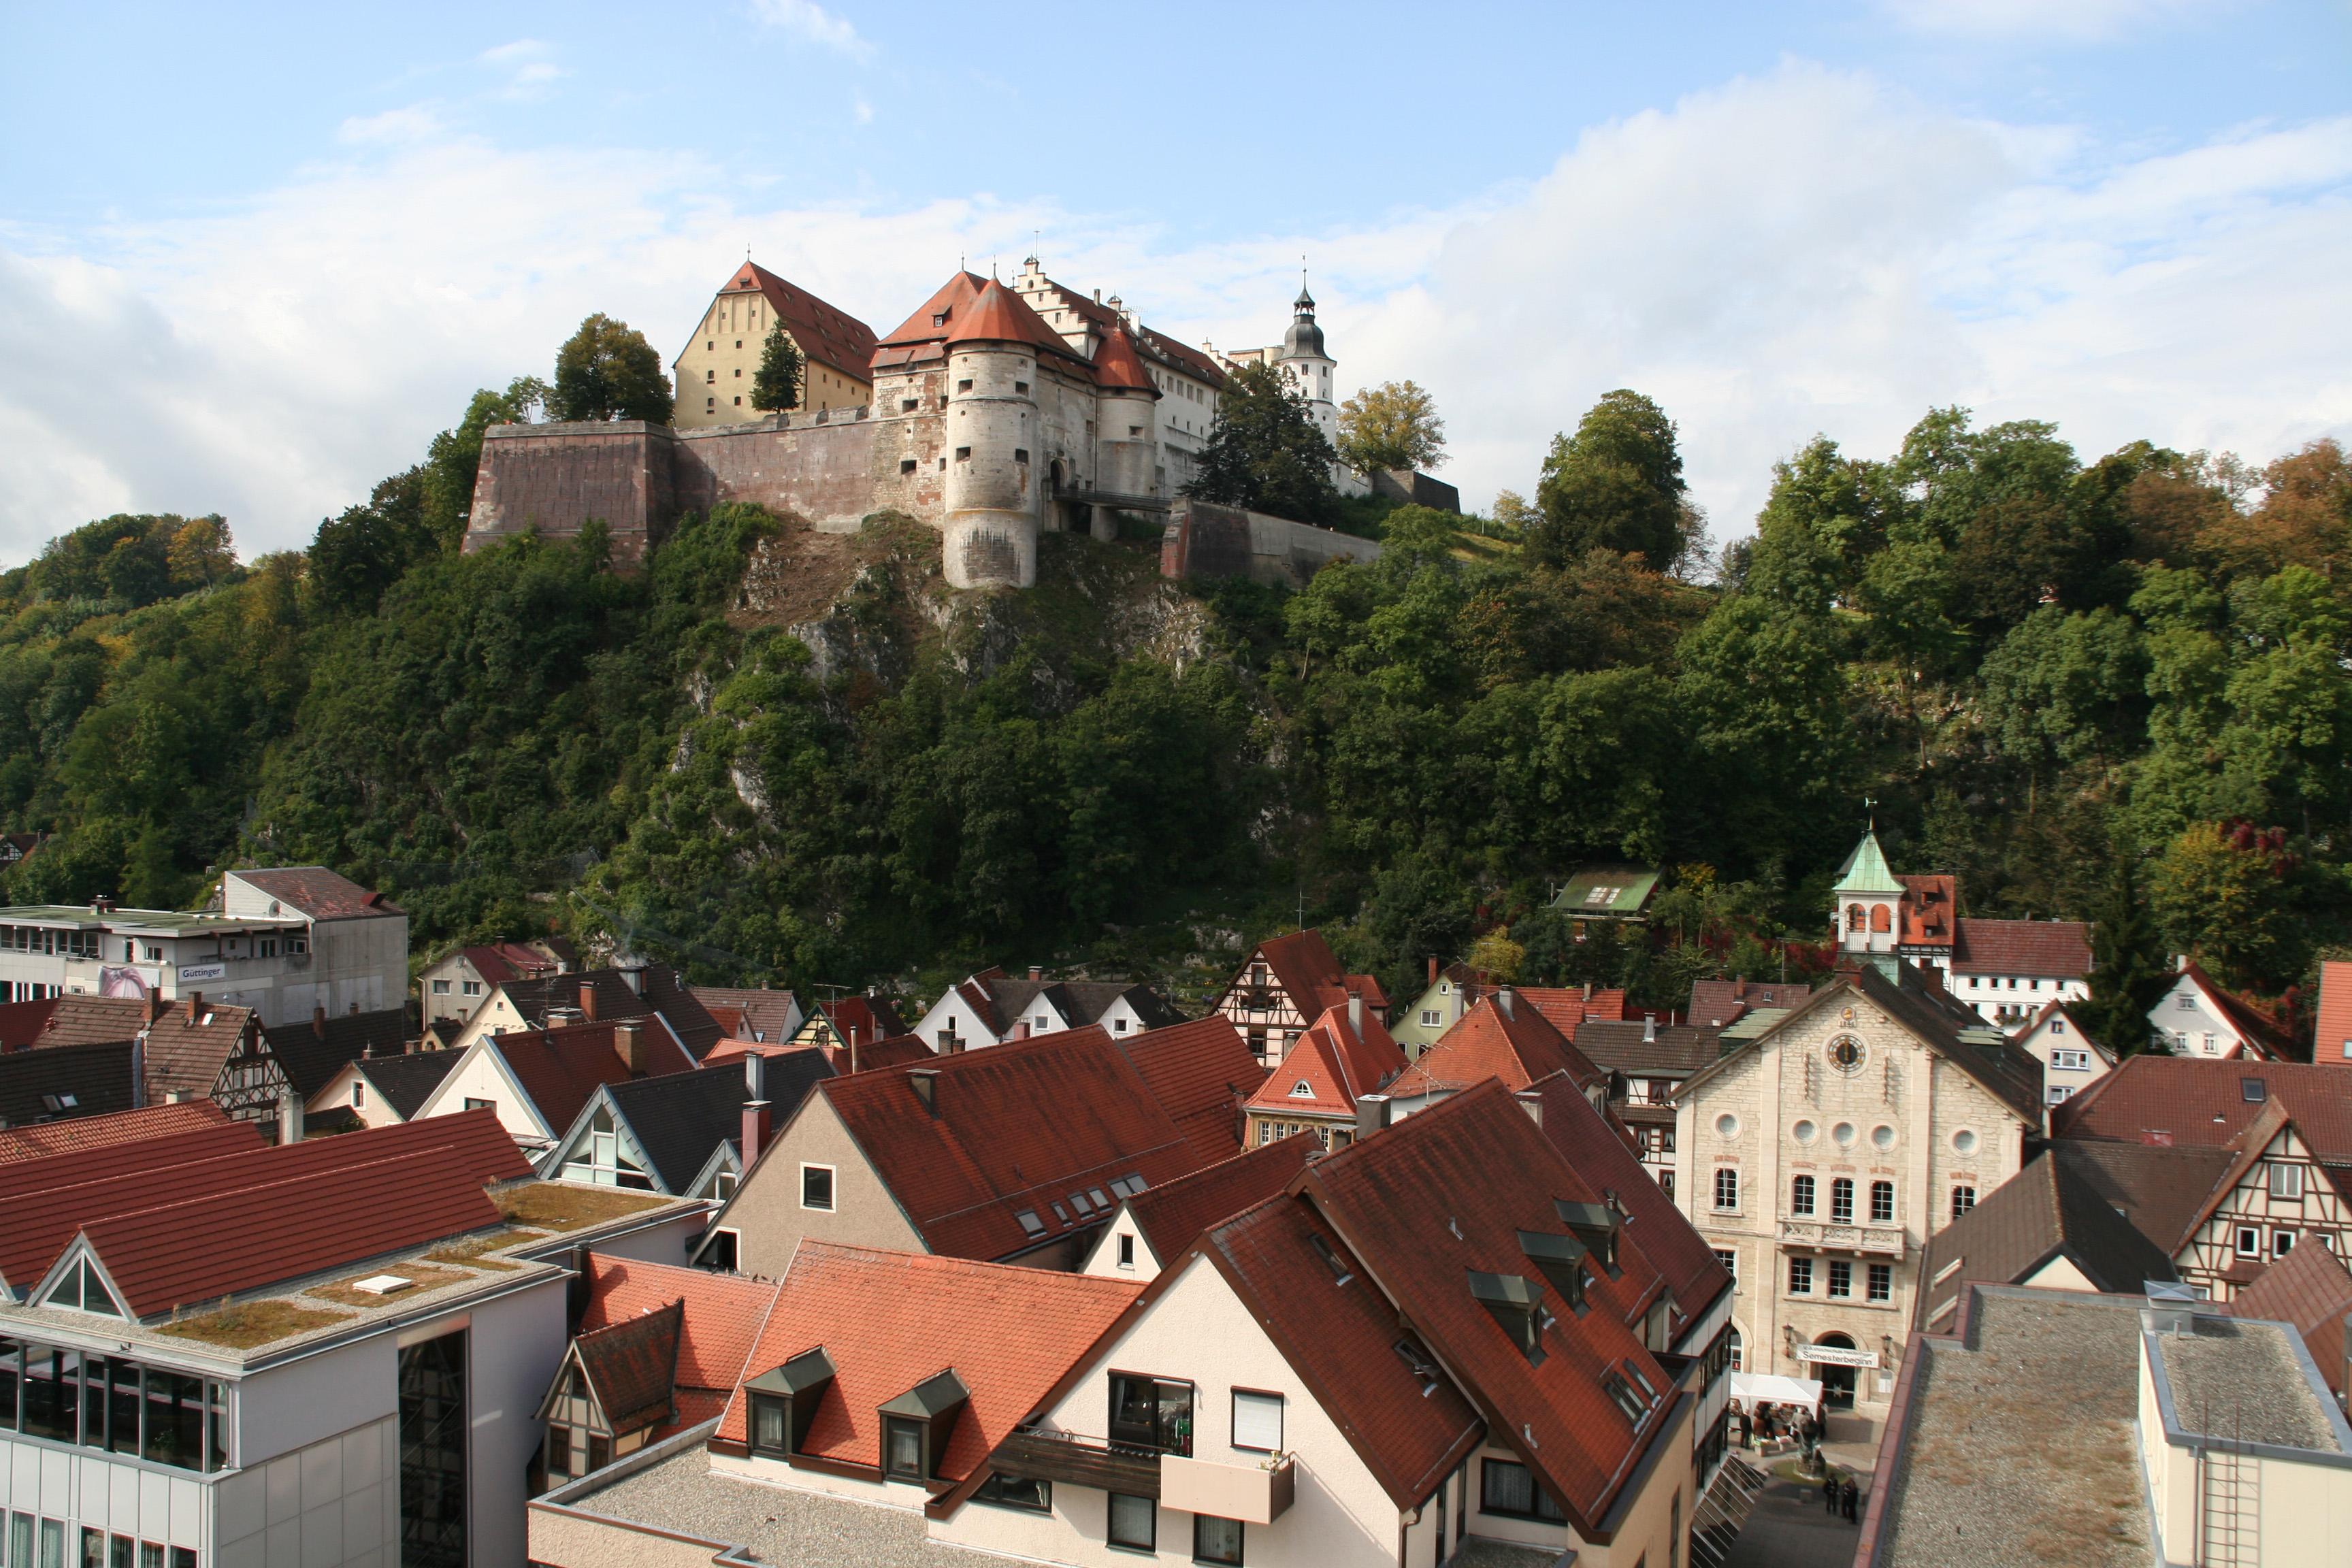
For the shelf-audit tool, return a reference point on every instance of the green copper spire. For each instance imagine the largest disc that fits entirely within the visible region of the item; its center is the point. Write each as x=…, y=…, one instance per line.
x=1866, y=870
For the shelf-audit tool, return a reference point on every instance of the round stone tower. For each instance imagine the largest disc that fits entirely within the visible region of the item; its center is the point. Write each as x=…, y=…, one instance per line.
x=992, y=495
x=1127, y=418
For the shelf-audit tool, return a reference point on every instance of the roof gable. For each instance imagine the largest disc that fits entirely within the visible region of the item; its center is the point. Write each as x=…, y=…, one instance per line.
x=406, y=1082
x=1170, y=1218
x=2255, y=1026
x=1200, y=1072
x=1518, y=1048
x=319, y=893
x=1336, y=1062
x=2202, y=1102
x=631, y=1367
x=720, y=1319
x=1866, y=872
x=558, y=1070
x=312, y=1052
x=824, y=333
x=2045, y=1211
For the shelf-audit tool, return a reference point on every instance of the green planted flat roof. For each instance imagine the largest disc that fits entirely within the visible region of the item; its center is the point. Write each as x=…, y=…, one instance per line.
x=1600, y=890
x=166, y=921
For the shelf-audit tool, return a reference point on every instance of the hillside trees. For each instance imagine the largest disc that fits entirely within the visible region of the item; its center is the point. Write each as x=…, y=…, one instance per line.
x=1615, y=485
x=607, y=370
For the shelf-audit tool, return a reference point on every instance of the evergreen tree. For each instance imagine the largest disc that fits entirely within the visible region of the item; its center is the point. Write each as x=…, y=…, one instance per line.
x=2129, y=970
x=1266, y=453
x=608, y=371
x=782, y=365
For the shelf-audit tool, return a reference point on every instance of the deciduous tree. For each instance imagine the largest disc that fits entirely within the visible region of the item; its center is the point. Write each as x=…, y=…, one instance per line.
x=1616, y=484
x=1392, y=426
x=607, y=371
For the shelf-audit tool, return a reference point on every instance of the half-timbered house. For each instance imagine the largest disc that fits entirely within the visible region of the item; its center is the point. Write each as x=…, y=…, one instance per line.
x=1284, y=984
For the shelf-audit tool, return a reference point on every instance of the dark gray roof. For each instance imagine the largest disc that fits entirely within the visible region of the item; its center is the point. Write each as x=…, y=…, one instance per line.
x=405, y=1082
x=2000, y=1066
x=2044, y=1212
x=679, y=1118
x=2161, y=1190
x=1080, y=1001
x=617, y=1000
x=1679, y=1051
x=310, y=1058
x=97, y=1075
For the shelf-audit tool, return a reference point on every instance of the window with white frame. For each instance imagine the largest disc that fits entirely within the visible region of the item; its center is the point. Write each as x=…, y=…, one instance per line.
x=2249, y=1241
x=816, y=1187
x=2059, y=1093
x=2282, y=1242
x=1726, y=1186
x=1800, y=1277
x=2286, y=1180
x=2071, y=1061
x=1257, y=1420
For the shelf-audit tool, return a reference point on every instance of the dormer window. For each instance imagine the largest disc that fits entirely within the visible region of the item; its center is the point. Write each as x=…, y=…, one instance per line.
x=81, y=1290
x=1516, y=1303
x=1595, y=1224
x=783, y=1404
x=1302, y=1089
x=917, y=1425
x=1560, y=1259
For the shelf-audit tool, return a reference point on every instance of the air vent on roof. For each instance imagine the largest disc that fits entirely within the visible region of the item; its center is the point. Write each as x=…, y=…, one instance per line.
x=1410, y=1351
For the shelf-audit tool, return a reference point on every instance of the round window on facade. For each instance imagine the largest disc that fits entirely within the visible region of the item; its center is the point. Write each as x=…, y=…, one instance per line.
x=1964, y=1142
x=1844, y=1134
x=1882, y=1135
x=1804, y=1131
x=1727, y=1125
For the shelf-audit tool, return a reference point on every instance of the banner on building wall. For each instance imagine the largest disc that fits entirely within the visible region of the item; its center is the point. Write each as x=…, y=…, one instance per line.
x=121, y=982
x=192, y=972
x=1836, y=1355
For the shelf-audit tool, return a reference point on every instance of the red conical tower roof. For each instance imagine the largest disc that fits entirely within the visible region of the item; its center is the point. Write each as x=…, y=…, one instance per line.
x=1118, y=367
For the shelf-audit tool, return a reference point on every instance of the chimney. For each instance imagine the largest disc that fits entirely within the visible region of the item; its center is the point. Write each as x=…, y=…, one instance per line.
x=1021, y=1030
x=588, y=1000
x=1649, y=1029
x=1355, y=1012
x=290, y=1118
x=926, y=1087
x=138, y=1069
x=1506, y=1002
x=195, y=1006
x=755, y=1079
x=1036, y=972
x=318, y=1022
x=755, y=1129
x=852, y=1049
x=1433, y=969
x=1531, y=1101
x=1371, y=1115
x=629, y=1040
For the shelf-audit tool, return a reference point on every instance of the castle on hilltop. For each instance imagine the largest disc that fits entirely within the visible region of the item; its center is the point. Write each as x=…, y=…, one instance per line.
x=993, y=413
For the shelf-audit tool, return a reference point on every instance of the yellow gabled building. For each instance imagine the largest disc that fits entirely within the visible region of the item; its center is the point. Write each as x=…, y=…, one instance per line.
x=717, y=367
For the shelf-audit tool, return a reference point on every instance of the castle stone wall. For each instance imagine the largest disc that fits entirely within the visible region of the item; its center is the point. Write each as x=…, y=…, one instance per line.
x=553, y=477
x=823, y=472
x=1204, y=539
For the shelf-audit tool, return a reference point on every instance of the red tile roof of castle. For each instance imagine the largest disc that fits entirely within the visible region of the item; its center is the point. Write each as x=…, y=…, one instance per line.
x=1654, y=1227
x=722, y=1319
x=205, y=1214
x=970, y=309
x=1013, y=1127
x=2050, y=949
x=1200, y=1072
x=45, y=1139
x=1335, y=1063
x=1518, y=1048
x=891, y=1321
x=824, y=332
x=1447, y=1192
x=1172, y=1218
x=1116, y=364
x=321, y=894
x=2335, y=1031
x=2194, y=1101
x=561, y=1069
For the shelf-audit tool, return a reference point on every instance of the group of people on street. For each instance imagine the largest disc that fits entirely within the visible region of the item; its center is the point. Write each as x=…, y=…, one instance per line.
x=1841, y=1495
x=1767, y=1423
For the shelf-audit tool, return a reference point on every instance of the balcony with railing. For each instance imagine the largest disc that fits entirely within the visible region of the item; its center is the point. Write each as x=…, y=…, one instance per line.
x=1255, y=1494
x=1832, y=1236
x=1036, y=1454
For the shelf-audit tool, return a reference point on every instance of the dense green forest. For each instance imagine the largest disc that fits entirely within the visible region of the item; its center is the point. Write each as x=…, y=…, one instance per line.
x=2114, y=689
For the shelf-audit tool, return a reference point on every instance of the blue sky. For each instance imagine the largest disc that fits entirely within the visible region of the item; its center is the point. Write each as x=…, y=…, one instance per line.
x=250, y=258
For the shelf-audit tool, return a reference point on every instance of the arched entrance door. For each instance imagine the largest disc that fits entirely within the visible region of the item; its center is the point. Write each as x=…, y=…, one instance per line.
x=1837, y=1381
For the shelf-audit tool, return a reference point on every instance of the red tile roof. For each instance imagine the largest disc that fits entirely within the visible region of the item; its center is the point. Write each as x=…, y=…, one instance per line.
x=997, y=314
x=322, y=894
x=632, y=1367
x=1518, y=1048
x=181, y=1220
x=561, y=1068
x=657, y=990
x=72, y=1020
x=1683, y=1258
x=2193, y=1102
x=924, y=326
x=743, y=1012
x=2050, y=949
x=723, y=1313
x=49, y=1138
x=1343, y=1341
x=2335, y=1033
x=1447, y=1192
x=872, y=1016
x=1335, y=1063
x=890, y=1321
x=1018, y=1127
x=1303, y=964
x=1172, y=1218
x=825, y=334
x=1200, y=1072
x=2310, y=1289
x=505, y=961
x=1117, y=365
x=1924, y=914
x=192, y=1043
x=1567, y=1006
x=1715, y=1003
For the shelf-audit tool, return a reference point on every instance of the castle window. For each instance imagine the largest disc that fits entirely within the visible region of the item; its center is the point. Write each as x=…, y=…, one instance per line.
x=1022, y=387
x=710, y=376
x=963, y=454
x=908, y=467
x=709, y=347
x=964, y=387
x=1020, y=453
x=739, y=369
x=908, y=404
x=739, y=343
x=738, y=403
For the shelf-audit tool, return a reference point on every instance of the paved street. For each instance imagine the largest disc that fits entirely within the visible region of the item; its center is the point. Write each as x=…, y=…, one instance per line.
x=1790, y=1528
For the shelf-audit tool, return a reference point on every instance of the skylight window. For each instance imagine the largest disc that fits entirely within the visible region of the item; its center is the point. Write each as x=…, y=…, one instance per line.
x=1029, y=1222
x=2254, y=1090
x=1417, y=1359
x=1341, y=1272
x=81, y=1290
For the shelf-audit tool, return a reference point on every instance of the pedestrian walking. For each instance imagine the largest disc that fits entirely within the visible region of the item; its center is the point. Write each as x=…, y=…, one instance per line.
x=1830, y=1493
x=1851, y=1493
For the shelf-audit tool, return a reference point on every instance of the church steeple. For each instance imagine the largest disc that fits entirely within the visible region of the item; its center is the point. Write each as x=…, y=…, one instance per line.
x=1865, y=907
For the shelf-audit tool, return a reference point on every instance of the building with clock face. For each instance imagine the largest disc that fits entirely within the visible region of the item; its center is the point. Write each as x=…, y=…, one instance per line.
x=1819, y=1158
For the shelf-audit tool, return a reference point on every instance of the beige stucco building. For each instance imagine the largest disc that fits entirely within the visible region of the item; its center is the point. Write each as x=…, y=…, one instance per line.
x=716, y=368
x=1819, y=1158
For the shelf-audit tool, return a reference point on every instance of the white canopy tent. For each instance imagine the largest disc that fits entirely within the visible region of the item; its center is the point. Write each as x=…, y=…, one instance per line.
x=1750, y=1386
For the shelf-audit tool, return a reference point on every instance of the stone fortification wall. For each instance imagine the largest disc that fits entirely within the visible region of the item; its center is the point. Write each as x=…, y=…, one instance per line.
x=1411, y=489
x=553, y=477
x=1203, y=540
x=823, y=471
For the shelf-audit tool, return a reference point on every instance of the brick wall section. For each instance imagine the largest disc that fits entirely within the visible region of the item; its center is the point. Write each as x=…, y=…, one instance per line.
x=824, y=472
x=555, y=477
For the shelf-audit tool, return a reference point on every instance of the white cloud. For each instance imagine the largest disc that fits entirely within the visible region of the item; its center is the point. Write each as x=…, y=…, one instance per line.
x=2085, y=21
x=809, y=20
x=1802, y=252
